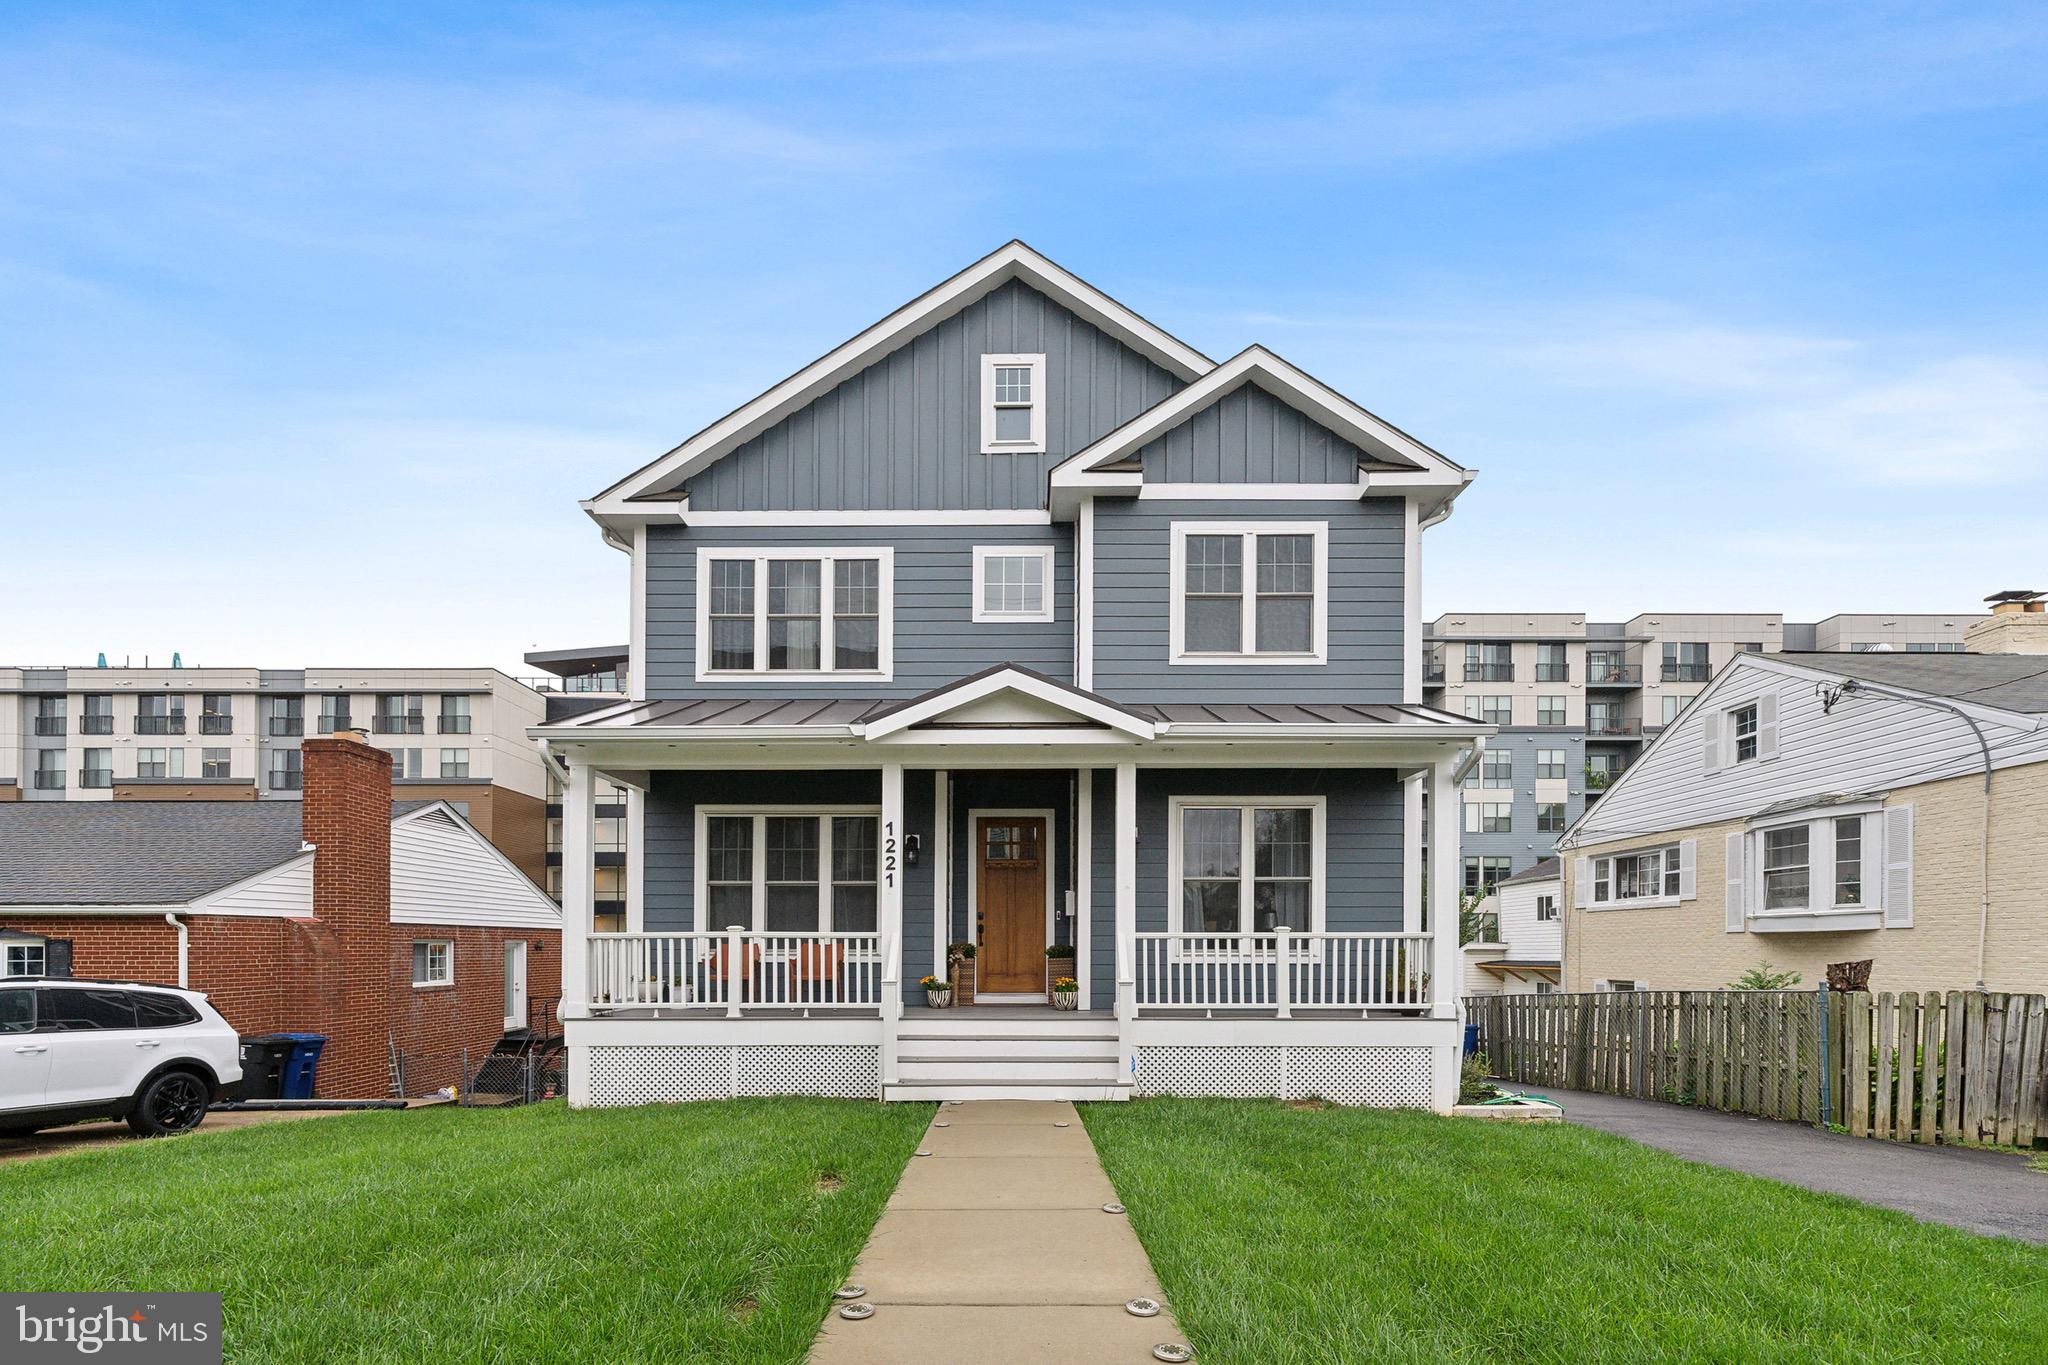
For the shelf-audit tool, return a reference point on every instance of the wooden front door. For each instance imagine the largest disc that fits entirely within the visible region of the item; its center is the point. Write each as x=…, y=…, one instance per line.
x=1010, y=903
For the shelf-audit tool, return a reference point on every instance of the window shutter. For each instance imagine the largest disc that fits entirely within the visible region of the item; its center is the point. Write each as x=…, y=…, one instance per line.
x=1738, y=884
x=1710, y=732
x=1688, y=871
x=57, y=956
x=1898, y=867
x=1582, y=881
x=1767, y=726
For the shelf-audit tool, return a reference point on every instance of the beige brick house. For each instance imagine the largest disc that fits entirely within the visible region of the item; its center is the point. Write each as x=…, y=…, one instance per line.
x=1808, y=809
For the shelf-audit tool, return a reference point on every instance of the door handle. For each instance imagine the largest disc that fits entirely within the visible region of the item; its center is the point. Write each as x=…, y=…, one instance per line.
x=151, y=1043
x=44, y=1047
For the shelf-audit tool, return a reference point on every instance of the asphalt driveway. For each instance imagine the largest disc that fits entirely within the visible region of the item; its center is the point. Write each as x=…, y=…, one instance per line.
x=1990, y=1193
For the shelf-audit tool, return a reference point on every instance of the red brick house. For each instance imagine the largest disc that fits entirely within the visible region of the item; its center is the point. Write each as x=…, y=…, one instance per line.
x=393, y=928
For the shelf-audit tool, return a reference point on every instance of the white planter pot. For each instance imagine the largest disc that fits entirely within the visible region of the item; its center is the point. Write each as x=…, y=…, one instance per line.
x=938, y=1000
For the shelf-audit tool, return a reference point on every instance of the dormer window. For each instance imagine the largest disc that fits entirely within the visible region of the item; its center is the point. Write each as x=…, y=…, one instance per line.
x=1742, y=723
x=1012, y=404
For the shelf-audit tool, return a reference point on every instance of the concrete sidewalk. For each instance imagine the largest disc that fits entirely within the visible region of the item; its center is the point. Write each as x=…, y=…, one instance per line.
x=995, y=1248
x=1989, y=1193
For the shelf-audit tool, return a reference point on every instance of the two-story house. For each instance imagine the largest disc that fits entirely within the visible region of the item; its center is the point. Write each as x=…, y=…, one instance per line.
x=1015, y=621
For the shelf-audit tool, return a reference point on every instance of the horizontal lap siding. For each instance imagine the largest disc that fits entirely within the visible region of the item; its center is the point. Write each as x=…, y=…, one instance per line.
x=1248, y=436
x=906, y=431
x=1366, y=632
x=936, y=637
x=443, y=874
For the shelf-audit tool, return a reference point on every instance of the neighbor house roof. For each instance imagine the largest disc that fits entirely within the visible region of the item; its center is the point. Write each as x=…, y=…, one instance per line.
x=1549, y=870
x=144, y=852
x=2010, y=682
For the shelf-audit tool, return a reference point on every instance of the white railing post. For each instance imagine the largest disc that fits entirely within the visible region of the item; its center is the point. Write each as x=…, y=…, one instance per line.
x=1445, y=880
x=1283, y=962
x=890, y=921
x=735, y=969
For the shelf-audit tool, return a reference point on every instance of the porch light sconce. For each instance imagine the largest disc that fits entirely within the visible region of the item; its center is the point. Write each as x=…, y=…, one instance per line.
x=539, y=945
x=911, y=844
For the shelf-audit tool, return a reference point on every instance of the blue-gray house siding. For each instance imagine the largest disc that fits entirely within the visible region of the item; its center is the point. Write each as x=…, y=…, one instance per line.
x=1249, y=436
x=905, y=433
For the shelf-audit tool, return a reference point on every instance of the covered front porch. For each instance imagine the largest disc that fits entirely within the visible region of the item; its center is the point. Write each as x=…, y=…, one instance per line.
x=1240, y=896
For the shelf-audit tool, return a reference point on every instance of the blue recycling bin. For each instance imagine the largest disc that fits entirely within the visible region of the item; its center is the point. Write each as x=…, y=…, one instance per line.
x=299, y=1067
x=1471, y=1039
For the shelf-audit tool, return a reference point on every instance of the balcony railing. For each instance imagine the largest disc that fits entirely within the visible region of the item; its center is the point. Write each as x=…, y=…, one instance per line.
x=1600, y=779
x=95, y=725
x=1687, y=672
x=1489, y=672
x=287, y=782
x=287, y=725
x=1614, y=727
x=1433, y=674
x=454, y=725
x=1553, y=673
x=50, y=725
x=330, y=723
x=95, y=777
x=216, y=725
x=413, y=724
x=734, y=971
x=48, y=780
x=1612, y=675
x=160, y=725
x=1280, y=972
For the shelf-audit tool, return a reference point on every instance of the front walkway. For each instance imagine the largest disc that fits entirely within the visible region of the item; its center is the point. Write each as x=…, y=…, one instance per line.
x=1989, y=1193
x=995, y=1248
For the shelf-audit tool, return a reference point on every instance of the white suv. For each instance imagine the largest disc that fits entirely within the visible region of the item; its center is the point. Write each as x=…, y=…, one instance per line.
x=73, y=1049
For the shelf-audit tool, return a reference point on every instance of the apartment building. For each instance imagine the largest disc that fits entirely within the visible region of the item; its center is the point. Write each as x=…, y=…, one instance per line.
x=234, y=734
x=1576, y=700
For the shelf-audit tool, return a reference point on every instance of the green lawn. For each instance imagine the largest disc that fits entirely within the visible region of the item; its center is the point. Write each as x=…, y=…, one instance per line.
x=689, y=1232
x=1287, y=1235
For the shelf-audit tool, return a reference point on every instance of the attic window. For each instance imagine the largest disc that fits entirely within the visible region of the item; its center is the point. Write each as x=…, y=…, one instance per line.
x=1012, y=404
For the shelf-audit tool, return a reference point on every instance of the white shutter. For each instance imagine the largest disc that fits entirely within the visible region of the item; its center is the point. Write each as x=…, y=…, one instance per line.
x=1767, y=726
x=1710, y=732
x=1873, y=860
x=1898, y=867
x=1820, y=864
x=1738, y=883
x=1688, y=869
x=1582, y=880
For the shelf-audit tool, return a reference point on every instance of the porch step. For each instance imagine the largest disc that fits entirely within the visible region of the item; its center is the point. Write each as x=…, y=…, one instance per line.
x=978, y=1088
x=1007, y=1070
x=1009, y=1045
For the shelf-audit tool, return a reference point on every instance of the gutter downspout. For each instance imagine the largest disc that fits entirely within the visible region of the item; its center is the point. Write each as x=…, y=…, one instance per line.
x=184, y=943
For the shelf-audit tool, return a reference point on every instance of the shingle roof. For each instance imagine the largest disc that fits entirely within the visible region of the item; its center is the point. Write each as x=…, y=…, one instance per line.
x=142, y=852
x=1549, y=870
x=2011, y=682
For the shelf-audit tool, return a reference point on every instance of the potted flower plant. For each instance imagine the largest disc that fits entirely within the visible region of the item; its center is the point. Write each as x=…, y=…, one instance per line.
x=938, y=992
x=1066, y=994
x=1059, y=962
x=960, y=958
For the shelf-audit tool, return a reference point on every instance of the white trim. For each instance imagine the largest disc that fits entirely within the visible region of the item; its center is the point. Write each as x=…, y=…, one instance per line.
x=1411, y=604
x=1084, y=596
x=1013, y=260
x=1010, y=680
x=1252, y=492
x=826, y=557
x=942, y=869
x=505, y=951
x=760, y=811
x=1318, y=880
x=1045, y=554
x=433, y=982
x=1049, y=861
x=1033, y=444
x=1250, y=531
x=636, y=646
x=1083, y=888
x=636, y=861
x=995, y=516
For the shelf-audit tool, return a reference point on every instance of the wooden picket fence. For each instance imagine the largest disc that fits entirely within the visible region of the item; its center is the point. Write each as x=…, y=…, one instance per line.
x=1960, y=1066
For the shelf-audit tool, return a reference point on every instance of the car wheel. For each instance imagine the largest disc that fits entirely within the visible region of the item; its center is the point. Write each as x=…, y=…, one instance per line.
x=172, y=1103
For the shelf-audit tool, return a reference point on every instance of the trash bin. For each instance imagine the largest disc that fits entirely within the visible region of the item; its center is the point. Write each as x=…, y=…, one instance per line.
x=303, y=1058
x=1471, y=1039
x=264, y=1059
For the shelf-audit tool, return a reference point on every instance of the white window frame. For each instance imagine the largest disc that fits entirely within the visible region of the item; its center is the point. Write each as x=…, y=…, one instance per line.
x=447, y=776
x=1822, y=910
x=984, y=553
x=1546, y=908
x=758, y=871
x=1670, y=864
x=827, y=556
x=40, y=947
x=1318, y=808
x=1035, y=445
x=1318, y=652
x=1477, y=813
x=1735, y=736
x=447, y=978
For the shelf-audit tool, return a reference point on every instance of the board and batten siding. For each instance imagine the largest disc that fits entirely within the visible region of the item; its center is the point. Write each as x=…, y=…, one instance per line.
x=936, y=638
x=905, y=433
x=1867, y=744
x=1249, y=436
x=1366, y=634
x=444, y=872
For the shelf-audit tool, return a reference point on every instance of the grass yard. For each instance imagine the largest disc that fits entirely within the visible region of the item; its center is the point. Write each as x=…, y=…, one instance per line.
x=710, y=1232
x=1287, y=1235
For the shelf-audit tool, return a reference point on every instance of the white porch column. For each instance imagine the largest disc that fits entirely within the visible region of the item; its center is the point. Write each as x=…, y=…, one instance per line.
x=942, y=869
x=1126, y=888
x=579, y=885
x=1084, y=885
x=1446, y=881
x=890, y=917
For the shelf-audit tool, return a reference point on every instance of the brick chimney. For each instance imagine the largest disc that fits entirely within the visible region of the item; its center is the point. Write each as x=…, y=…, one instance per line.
x=347, y=818
x=2018, y=624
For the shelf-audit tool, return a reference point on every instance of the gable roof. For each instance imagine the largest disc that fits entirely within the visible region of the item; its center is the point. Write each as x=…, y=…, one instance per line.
x=1549, y=870
x=139, y=852
x=2009, y=682
x=1011, y=261
x=1064, y=699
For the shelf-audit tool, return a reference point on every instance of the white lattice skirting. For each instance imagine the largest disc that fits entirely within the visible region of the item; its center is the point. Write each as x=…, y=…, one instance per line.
x=664, y=1075
x=1379, y=1076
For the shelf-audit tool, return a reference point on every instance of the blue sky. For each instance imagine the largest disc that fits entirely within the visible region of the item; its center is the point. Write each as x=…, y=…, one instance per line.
x=320, y=319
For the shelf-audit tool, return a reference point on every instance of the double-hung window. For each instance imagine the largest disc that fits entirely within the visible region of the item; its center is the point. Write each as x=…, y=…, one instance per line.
x=1497, y=710
x=794, y=613
x=1643, y=875
x=1546, y=909
x=454, y=763
x=216, y=762
x=1247, y=865
x=1497, y=769
x=789, y=871
x=433, y=962
x=1550, y=817
x=1796, y=872
x=159, y=762
x=1550, y=711
x=1550, y=763
x=1742, y=723
x=1012, y=404
x=1249, y=592
x=1013, y=583
x=1489, y=817
x=1788, y=868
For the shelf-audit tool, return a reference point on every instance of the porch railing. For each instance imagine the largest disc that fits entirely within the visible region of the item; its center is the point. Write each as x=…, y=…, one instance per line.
x=732, y=970
x=1280, y=972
